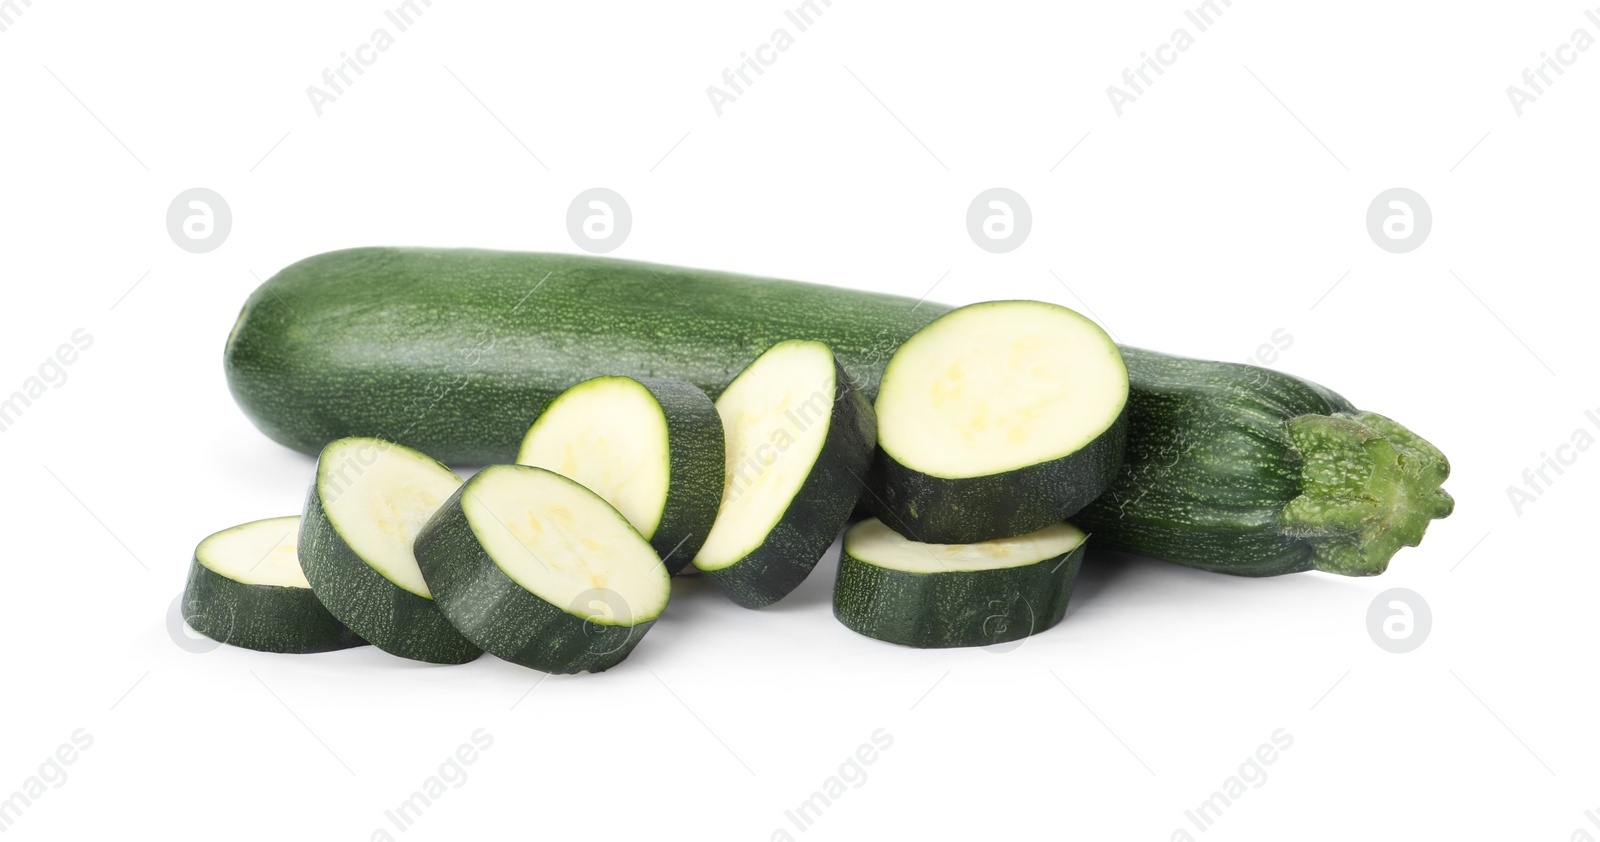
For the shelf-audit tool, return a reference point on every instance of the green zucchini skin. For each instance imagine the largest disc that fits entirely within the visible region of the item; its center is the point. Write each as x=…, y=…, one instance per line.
x=267, y=618
x=937, y=510
x=816, y=514
x=954, y=609
x=500, y=615
x=1249, y=471
x=695, y=463
x=452, y=351
x=387, y=616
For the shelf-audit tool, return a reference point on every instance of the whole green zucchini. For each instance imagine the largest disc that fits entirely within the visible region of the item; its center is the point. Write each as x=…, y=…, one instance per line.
x=1229, y=467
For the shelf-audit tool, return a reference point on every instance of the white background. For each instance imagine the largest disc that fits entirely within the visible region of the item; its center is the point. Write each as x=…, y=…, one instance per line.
x=1226, y=203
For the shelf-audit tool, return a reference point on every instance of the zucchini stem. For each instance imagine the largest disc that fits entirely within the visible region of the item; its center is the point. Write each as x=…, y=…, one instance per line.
x=1368, y=487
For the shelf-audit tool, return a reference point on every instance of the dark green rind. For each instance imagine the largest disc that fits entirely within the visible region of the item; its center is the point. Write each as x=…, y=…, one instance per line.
x=1211, y=469
x=451, y=351
x=384, y=614
x=938, y=510
x=500, y=615
x=950, y=609
x=267, y=618
x=697, y=455
x=817, y=513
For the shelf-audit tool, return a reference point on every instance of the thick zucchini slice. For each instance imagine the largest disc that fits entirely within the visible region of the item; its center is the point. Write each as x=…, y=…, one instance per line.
x=246, y=588
x=541, y=571
x=943, y=595
x=369, y=500
x=652, y=448
x=799, y=443
x=997, y=420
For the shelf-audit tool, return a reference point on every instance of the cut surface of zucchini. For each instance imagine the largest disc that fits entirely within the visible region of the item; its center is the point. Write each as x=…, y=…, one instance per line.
x=799, y=442
x=945, y=595
x=541, y=571
x=246, y=588
x=366, y=505
x=651, y=448
x=996, y=420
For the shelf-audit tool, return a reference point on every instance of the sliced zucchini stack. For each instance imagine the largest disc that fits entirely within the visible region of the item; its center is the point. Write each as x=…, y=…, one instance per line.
x=943, y=595
x=799, y=444
x=652, y=448
x=997, y=420
x=246, y=589
x=367, y=503
x=541, y=571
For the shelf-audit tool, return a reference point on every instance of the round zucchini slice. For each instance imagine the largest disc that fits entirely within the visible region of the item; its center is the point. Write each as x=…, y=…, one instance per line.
x=799, y=444
x=945, y=595
x=541, y=571
x=652, y=448
x=369, y=500
x=246, y=589
x=997, y=420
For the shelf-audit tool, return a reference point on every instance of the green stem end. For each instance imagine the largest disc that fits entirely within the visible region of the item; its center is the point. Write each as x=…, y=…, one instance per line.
x=1368, y=487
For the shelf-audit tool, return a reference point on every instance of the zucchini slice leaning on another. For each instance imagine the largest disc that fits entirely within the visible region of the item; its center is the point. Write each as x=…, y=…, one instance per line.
x=369, y=500
x=997, y=420
x=652, y=448
x=799, y=443
x=542, y=572
x=246, y=589
x=943, y=595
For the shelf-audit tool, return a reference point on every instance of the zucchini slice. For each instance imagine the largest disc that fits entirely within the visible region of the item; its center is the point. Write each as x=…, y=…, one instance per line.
x=246, y=589
x=799, y=443
x=944, y=595
x=369, y=500
x=652, y=448
x=997, y=420
x=541, y=571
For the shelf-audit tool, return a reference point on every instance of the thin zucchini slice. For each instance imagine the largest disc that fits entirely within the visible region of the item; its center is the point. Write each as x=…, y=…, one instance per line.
x=542, y=572
x=799, y=443
x=369, y=500
x=997, y=420
x=246, y=589
x=652, y=448
x=944, y=595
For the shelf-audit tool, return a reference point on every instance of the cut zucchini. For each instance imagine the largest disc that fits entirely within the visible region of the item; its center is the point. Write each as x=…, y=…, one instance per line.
x=799, y=443
x=998, y=420
x=652, y=448
x=944, y=595
x=246, y=589
x=542, y=572
x=369, y=500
